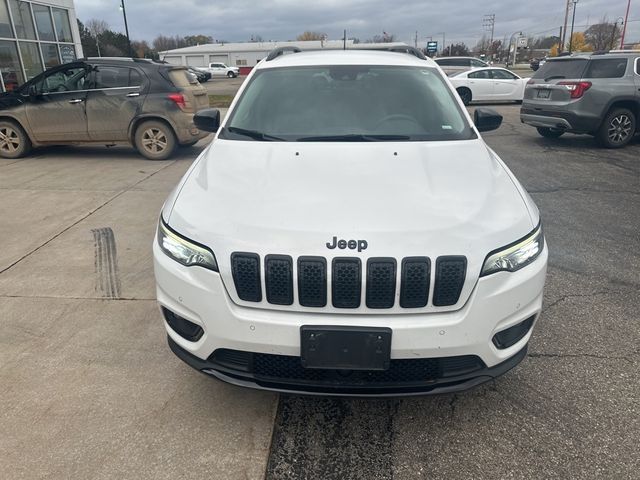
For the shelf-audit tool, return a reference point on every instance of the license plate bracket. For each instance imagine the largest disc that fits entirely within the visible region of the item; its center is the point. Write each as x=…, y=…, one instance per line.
x=345, y=347
x=544, y=93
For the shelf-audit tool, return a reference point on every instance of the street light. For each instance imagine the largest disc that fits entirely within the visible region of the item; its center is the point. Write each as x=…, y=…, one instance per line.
x=573, y=20
x=624, y=28
x=126, y=27
x=515, y=48
x=613, y=32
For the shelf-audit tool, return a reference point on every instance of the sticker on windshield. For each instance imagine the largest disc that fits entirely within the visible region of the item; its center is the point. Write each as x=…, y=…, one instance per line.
x=447, y=127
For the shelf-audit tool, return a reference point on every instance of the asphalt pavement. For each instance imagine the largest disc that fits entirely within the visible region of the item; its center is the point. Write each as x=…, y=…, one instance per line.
x=91, y=390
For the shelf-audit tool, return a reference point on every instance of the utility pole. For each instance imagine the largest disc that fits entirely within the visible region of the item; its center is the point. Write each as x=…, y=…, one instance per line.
x=126, y=27
x=564, y=28
x=489, y=22
x=624, y=27
x=416, y=40
x=344, y=40
x=573, y=20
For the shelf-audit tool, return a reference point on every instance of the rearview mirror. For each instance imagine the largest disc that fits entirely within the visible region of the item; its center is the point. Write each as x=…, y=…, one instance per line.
x=486, y=119
x=207, y=119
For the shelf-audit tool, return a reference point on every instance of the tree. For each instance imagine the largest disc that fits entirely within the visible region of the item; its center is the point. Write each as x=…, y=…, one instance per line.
x=603, y=35
x=96, y=28
x=578, y=43
x=553, y=51
x=384, y=38
x=192, y=40
x=307, y=36
x=162, y=43
x=256, y=38
x=458, y=50
x=88, y=41
x=543, y=43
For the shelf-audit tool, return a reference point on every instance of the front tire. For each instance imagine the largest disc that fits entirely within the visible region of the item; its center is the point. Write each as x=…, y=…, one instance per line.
x=155, y=140
x=14, y=141
x=550, y=132
x=618, y=128
x=465, y=95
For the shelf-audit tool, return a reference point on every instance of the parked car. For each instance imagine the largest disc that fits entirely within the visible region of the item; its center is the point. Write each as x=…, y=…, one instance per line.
x=221, y=70
x=595, y=94
x=349, y=232
x=201, y=75
x=452, y=65
x=489, y=84
x=536, y=63
x=104, y=101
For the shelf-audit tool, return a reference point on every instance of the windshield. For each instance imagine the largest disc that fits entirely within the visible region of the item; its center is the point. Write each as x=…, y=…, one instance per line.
x=347, y=103
x=561, y=69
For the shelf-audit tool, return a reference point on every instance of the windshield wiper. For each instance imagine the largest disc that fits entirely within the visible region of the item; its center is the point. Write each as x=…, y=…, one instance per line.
x=554, y=77
x=256, y=135
x=355, y=137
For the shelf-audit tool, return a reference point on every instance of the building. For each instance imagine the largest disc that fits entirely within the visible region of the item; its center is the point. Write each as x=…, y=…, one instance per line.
x=35, y=36
x=247, y=55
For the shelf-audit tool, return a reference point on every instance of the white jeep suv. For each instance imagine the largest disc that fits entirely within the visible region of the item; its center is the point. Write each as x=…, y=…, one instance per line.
x=349, y=232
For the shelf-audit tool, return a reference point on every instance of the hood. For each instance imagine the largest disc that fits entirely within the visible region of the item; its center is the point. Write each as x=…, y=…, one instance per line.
x=403, y=198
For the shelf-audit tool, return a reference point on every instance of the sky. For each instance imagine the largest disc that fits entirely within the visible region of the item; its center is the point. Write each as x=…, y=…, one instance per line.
x=460, y=20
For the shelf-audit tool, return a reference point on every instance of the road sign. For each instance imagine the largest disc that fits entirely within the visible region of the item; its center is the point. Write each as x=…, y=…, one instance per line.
x=432, y=47
x=523, y=42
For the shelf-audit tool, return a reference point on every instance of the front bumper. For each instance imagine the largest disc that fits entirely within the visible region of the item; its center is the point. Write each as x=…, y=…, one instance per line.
x=498, y=301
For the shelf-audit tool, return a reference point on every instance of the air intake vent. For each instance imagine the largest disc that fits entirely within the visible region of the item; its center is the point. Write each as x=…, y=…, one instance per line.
x=346, y=283
x=312, y=281
x=414, y=282
x=279, y=279
x=245, y=268
x=381, y=282
x=450, y=274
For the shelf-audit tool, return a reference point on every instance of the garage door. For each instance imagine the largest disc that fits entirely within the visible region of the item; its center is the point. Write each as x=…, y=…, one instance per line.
x=173, y=60
x=195, y=60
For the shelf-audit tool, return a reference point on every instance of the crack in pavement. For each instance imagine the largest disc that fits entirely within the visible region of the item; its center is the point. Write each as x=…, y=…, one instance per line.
x=107, y=202
x=579, y=295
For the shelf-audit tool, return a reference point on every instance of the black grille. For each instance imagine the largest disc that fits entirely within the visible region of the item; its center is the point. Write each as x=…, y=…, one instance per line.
x=381, y=282
x=312, y=281
x=414, y=282
x=279, y=279
x=346, y=283
x=450, y=274
x=245, y=268
x=268, y=367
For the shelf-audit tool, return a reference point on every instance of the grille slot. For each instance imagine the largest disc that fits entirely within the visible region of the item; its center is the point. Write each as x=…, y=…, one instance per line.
x=450, y=275
x=245, y=268
x=312, y=281
x=279, y=279
x=381, y=282
x=414, y=282
x=346, y=284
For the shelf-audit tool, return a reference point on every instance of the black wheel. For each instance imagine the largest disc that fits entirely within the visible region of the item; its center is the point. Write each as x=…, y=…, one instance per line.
x=231, y=75
x=617, y=129
x=14, y=141
x=155, y=140
x=465, y=95
x=550, y=132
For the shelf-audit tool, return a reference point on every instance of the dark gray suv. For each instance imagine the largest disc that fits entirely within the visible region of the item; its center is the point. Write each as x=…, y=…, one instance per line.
x=104, y=101
x=596, y=94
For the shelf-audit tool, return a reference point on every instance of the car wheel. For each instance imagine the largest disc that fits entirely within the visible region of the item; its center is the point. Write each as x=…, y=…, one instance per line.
x=465, y=95
x=14, y=141
x=155, y=140
x=231, y=75
x=618, y=128
x=550, y=132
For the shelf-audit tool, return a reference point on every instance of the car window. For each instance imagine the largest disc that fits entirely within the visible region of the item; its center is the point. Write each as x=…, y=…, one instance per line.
x=112, y=77
x=181, y=77
x=638, y=66
x=477, y=63
x=560, y=69
x=66, y=80
x=445, y=62
x=349, y=102
x=480, y=74
x=502, y=75
x=606, y=68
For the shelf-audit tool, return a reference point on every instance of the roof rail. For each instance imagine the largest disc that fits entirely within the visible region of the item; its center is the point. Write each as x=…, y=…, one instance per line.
x=625, y=51
x=276, y=52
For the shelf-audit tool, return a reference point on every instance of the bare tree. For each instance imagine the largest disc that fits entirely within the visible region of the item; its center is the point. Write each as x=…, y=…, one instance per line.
x=162, y=43
x=96, y=28
x=603, y=35
x=306, y=36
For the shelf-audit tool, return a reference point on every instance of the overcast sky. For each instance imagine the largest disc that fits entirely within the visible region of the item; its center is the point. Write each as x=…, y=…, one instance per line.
x=237, y=20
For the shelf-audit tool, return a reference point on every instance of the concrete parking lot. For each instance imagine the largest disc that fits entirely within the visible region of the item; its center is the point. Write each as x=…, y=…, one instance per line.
x=91, y=390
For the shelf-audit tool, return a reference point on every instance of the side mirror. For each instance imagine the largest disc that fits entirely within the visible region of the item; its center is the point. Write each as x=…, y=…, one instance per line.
x=486, y=119
x=32, y=92
x=207, y=120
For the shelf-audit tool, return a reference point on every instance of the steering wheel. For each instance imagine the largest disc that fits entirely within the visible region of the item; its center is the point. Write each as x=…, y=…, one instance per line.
x=395, y=117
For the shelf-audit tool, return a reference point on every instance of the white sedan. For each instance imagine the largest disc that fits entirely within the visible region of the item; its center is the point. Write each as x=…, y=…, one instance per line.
x=489, y=84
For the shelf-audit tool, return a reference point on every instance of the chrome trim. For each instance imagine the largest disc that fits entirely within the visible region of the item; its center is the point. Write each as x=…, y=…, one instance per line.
x=90, y=90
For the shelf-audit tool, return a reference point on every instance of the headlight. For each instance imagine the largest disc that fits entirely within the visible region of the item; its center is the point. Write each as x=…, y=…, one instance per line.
x=184, y=251
x=515, y=256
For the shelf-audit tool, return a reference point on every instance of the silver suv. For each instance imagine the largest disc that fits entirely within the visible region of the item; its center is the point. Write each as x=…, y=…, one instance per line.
x=595, y=94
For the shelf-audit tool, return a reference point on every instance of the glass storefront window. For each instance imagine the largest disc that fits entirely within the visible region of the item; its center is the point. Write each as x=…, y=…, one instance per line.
x=10, y=65
x=22, y=20
x=63, y=28
x=50, y=54
x=31, y=59
x=43, y=22
x=5, y=21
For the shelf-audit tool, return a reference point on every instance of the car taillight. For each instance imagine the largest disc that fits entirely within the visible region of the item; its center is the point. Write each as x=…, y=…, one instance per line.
x=577, y=89
x=178, y=99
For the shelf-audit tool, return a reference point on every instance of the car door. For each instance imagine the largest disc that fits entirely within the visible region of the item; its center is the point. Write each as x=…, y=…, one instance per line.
x=481, y=85
x=56, y=108
x=218, y=70
x=113, y=101
x=506, y=85
x=637, y=77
